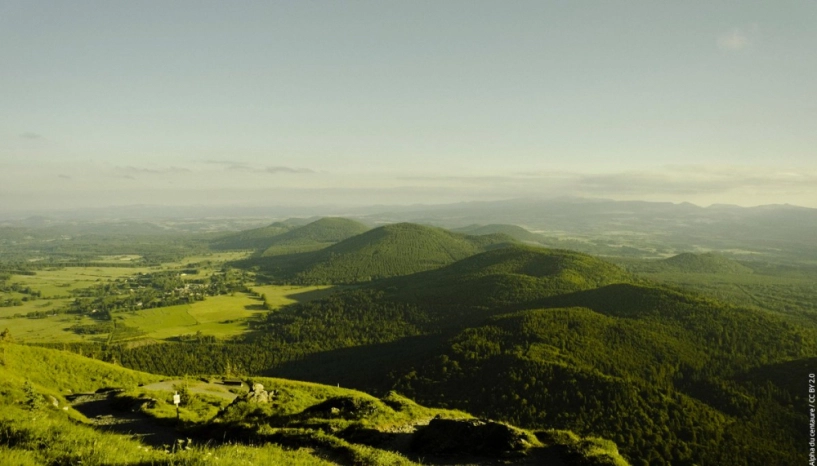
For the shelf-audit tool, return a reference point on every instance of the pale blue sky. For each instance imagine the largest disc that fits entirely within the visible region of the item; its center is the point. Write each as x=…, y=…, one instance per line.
x=401, y=102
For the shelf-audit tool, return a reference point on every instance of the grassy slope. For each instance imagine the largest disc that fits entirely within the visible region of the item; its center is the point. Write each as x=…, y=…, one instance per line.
x=295, y=420
x=69, y=438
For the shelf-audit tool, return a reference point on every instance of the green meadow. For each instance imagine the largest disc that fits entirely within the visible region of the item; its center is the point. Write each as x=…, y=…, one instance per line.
x=219, y=316
x=278, y=296
x=59, y=282
x=50, y=329
x=217, y=258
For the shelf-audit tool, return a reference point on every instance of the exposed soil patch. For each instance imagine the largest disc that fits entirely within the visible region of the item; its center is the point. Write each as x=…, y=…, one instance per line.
x=102, y=410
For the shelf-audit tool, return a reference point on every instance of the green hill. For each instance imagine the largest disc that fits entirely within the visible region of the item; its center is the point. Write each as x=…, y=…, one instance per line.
x=510, y=276
x=652, y=388
x=391, y=250
x=514, y=231
x=44, y=393
x=316, y=235
x=257, y=238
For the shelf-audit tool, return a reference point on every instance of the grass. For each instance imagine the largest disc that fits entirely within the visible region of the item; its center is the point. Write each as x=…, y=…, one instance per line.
x=44, y=304
x=278, y=296
x=219, y=316
x=63, y=371
x=49, y=329
x=60, y=282
x=70, y=443
x=25, y=432
x=214, y=257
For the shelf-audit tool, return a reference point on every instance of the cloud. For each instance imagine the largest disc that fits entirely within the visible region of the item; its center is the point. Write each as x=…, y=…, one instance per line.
x=230, y=165
x=735, y=40
x=130, y=170
x=288, y=170
x=65, y=177
x=241, y=166
x=674, y=181
x=31, y=136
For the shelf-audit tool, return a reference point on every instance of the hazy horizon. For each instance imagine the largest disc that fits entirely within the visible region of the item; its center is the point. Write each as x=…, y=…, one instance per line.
x=330, y=103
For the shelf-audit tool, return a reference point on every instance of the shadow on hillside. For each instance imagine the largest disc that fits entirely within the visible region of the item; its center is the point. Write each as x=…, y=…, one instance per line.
x=362, y=367
x=311, y=295
x=105, y=416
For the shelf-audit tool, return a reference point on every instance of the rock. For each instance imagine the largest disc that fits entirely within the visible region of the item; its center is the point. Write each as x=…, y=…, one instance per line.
x=257, y=394
x=470, y=436
x=54, y=401
x=346, y=407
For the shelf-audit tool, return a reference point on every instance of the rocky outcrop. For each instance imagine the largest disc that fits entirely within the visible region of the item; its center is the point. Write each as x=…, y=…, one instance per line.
x=345, y=407
x=257, y=394
x=471, y=436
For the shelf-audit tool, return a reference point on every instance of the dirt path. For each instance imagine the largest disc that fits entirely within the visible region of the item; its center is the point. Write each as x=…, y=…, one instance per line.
x=100, y=410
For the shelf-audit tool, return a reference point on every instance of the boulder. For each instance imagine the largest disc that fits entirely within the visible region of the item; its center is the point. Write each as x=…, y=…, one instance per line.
x=257, y=394
x=345, y=407
x=470, y=436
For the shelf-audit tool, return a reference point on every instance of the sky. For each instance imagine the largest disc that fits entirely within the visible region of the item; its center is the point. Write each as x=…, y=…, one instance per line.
x=354, y=103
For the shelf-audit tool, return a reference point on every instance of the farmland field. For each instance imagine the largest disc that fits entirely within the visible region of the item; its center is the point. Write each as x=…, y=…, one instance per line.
x=281, y=295
x=219, y=316
x=58, y=282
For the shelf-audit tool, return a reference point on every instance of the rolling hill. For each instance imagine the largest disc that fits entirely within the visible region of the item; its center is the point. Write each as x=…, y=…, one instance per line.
x=391, y=250
x=257, y=238
x=316, y=235
x=537, y=337
x=514, y=231
x=533, y=337
x=693, y=263
x=509, y=276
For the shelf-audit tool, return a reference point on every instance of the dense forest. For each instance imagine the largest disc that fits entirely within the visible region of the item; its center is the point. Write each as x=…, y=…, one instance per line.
x=578, y=343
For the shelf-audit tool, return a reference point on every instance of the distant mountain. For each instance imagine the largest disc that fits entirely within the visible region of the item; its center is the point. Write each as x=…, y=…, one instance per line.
x=692, y=263
x=257, y=238
x=391, y=250
x=514, y=231
x=316, y=235
x=704, y=263
x=291, y=235
x=780, y=232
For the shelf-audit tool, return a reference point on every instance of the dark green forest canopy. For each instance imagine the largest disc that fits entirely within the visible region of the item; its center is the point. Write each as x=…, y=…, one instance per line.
x=316, y=235
x=391, y=250
x=291, y=236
